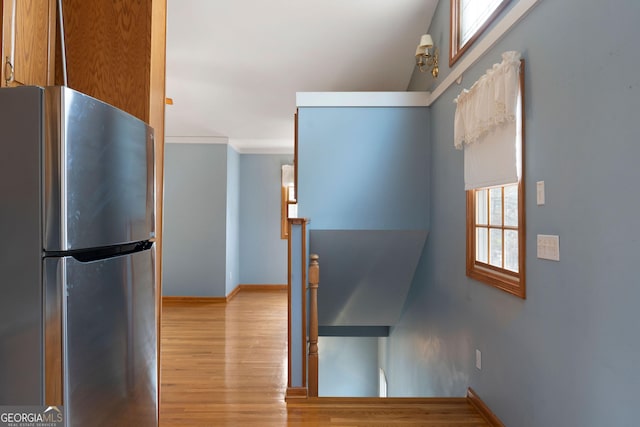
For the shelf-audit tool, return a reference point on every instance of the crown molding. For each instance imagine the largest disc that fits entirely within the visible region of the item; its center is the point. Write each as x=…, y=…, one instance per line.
x=262, y=146
x=196, y=140
x=362, y=99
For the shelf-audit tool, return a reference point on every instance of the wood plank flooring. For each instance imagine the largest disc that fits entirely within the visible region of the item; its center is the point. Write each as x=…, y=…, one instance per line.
x=225, y=365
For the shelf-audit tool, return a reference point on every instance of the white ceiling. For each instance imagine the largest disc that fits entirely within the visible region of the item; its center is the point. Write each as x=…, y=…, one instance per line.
x=234, y=66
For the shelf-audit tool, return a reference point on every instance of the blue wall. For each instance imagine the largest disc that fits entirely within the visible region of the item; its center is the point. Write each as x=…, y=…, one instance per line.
x=348, y=366
x=233, y=220
x=363, y=182
x=363, y=168
x=568, y=354
x=222, y=220
x=194, y=245
x=263, y=253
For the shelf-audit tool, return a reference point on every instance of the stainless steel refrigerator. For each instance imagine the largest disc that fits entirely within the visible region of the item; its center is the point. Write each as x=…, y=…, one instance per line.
x=78, y=315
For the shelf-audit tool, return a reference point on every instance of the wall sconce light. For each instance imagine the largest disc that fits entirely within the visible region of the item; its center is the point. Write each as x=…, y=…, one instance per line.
x=425, y=59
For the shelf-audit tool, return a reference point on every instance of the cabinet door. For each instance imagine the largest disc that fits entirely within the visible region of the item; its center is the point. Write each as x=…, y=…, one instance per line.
x=28, y=43
x=5, y=25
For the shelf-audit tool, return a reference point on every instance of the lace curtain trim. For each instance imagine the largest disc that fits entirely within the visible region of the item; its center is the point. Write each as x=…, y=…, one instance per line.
x=489, y=103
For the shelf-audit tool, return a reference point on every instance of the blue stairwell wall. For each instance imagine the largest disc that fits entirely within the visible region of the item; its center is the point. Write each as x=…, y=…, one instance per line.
x=568, y=354
x=363, y=171
x=364, y=168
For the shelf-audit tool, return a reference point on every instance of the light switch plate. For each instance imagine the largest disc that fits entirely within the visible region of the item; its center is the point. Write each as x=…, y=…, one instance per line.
x=549, y=247
x=478, y=359
x=540, y=193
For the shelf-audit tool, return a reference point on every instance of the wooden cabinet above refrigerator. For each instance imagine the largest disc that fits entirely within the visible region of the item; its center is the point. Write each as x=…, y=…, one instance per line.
x=28, y=42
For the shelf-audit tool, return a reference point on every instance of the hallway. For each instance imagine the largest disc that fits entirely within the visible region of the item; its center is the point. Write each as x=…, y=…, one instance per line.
x=225, y=365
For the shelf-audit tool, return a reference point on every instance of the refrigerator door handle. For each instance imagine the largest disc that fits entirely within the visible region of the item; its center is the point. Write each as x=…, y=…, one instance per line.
x=53, y=326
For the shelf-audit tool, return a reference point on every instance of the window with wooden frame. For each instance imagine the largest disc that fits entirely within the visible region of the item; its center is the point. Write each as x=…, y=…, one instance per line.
x=288, y=187
x=469, y=19
x=288, y=204
x=496, y=232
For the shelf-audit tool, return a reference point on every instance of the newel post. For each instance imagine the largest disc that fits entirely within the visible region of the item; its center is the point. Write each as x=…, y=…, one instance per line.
x=314, y=279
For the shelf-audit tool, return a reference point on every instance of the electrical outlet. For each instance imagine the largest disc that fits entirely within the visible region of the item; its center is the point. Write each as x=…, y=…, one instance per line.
x=478, y=359
x=230, y=275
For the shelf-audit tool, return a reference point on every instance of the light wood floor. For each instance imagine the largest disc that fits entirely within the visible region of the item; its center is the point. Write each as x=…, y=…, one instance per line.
x=225, y=365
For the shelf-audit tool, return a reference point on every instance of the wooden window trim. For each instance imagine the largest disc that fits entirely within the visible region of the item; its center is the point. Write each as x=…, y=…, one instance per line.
x=285, y=203
x=455, y=50
x=295, y=152
x=506, y=280
x=284, y=196
x=284, y=206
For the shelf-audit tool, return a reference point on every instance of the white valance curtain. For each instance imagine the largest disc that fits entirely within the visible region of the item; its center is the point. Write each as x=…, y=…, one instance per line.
x=485, y=125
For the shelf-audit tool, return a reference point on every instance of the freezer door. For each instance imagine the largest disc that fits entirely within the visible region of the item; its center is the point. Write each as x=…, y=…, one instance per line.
x=109, y=340
x=99, y=173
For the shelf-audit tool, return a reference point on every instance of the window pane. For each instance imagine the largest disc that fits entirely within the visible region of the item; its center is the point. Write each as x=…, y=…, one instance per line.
x=495, y=206
x=495, y=247
x=481, y=207
x=474, y=13
x=511, y=205
x=511, y=250
x=481, y=245
x=292, y=210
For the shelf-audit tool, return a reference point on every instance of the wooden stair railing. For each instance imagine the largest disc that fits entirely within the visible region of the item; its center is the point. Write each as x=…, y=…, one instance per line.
x=297, y=315
x=314, y=280
x=302, y=342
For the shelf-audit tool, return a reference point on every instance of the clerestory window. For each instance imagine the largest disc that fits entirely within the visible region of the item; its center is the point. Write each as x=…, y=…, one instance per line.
x=469, y=19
